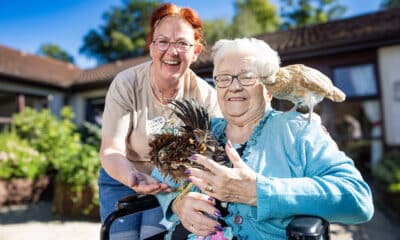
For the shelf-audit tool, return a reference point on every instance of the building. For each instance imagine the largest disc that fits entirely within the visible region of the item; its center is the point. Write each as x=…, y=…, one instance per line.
x=360, y=54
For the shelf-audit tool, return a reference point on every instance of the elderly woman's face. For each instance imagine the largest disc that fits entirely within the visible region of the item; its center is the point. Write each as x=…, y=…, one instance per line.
x=240, y=104
x=171, y=63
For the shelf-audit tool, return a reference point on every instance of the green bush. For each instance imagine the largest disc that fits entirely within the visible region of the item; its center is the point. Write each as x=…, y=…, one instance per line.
x=91, y=134
x=56, y=138
x=18, y=159
x=75, y=162
x=387, y=171
x=80, y=171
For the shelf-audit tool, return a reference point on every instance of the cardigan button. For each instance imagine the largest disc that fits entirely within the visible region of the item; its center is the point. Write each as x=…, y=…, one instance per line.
x=238, y=220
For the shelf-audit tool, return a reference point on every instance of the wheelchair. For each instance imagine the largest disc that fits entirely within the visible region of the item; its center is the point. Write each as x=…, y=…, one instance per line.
x=302, y=227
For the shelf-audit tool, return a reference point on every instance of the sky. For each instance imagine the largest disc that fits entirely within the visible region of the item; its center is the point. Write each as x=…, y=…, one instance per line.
x=27, y=24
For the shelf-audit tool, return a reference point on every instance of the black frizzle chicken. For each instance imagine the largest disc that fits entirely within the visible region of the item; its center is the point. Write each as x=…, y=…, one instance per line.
x=170, y=152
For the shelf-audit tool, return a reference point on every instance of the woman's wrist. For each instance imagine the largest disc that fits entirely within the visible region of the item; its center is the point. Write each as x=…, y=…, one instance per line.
x=174, y=207
x=170, y=212
x=252, y=196
x=131, y=178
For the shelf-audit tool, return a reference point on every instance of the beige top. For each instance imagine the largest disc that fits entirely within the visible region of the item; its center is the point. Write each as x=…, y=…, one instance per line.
x=131, y=104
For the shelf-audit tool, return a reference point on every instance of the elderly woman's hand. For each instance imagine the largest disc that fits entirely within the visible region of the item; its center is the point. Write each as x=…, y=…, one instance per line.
x=237, y=184
x=191, y=211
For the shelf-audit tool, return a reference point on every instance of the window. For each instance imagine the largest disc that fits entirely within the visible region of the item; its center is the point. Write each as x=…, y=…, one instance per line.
x=356, y=80
x=94, y=110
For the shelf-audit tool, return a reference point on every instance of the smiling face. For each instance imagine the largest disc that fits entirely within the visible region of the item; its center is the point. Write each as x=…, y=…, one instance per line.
x=239, y=104
x=170, y=65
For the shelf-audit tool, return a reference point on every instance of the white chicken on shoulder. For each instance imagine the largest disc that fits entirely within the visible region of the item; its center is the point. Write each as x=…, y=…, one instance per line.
x=303, y=86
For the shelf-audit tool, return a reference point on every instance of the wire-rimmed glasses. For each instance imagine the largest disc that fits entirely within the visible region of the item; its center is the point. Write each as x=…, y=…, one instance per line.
x=180, y=45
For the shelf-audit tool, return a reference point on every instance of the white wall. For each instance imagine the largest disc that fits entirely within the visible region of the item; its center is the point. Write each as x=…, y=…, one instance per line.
x=389, y=69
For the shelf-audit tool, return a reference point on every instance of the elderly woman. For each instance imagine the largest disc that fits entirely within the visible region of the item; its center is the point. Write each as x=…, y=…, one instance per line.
x=282, y=165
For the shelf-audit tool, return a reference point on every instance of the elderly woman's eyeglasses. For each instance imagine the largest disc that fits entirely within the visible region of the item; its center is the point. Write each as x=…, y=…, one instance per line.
x=244, y=78
x=180, y=45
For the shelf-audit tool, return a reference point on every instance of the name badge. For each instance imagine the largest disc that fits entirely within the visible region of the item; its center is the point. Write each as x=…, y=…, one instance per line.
x=155, y=125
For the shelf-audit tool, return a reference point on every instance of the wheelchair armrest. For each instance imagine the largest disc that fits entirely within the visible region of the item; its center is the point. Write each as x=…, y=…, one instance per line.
x=304, y=227
x=137, y=203
x=125, y=206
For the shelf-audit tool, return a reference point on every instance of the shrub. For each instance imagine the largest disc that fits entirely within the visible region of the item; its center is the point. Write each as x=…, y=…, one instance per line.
x=80, y=171
x=387, y=171
x=76, y=163
x=18, y=159
x=91, y=134
x=55, y=138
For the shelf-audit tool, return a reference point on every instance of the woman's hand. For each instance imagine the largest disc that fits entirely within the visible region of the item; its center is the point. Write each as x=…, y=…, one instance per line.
x=237, y=184
x=191, y=211
x=145, y=184
x=114, y=161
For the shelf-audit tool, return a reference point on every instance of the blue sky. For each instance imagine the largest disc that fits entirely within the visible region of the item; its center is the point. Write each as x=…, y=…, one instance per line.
x=26, y=24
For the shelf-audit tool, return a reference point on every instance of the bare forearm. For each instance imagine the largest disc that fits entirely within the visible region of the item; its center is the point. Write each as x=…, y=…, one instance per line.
x=118, y=167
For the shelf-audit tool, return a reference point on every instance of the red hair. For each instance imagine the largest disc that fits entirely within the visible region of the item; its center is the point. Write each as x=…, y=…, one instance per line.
x=169, y=9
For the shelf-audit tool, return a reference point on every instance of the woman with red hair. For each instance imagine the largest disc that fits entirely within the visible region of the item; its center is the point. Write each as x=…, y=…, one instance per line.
x=136, y=108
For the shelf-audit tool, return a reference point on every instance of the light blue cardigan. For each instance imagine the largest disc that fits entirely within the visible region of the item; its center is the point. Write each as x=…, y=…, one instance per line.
x=299, y=171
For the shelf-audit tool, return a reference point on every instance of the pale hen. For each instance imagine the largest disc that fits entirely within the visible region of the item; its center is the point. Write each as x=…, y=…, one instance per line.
x=303, y=86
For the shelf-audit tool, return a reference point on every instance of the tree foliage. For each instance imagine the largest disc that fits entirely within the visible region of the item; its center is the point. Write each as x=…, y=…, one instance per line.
x=245, y=24
x=123, y=34
x=54, y=51
x=264, y=14
x=386, y=4
x=251, y=17
x=300, y=13
x=215, y=29
x=125, y=27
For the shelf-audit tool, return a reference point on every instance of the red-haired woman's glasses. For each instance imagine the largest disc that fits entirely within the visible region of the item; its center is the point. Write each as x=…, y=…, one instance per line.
x=180, y=45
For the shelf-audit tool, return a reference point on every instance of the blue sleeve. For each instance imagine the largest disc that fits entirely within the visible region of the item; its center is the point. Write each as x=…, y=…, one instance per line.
x=166, y=199
x=331, y=187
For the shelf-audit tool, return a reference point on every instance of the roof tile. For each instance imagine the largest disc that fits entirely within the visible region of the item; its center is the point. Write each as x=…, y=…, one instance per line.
x=34, y=68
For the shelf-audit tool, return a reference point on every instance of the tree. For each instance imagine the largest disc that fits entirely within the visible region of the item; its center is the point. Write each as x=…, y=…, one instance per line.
x=301, y=13
x=214, y=30
x=123, y=35
x=244, y=25
x=264, y=12
x=251, y=17
x=386, y=4
x=254, y=17
x=54, y=51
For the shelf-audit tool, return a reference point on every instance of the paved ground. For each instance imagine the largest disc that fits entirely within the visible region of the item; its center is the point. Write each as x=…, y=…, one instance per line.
x=37, y=222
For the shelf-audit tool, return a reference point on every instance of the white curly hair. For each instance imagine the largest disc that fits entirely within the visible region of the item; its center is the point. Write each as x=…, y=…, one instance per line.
x=267, y=60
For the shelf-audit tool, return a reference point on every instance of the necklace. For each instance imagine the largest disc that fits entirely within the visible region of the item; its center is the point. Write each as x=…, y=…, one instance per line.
x=159, y=94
